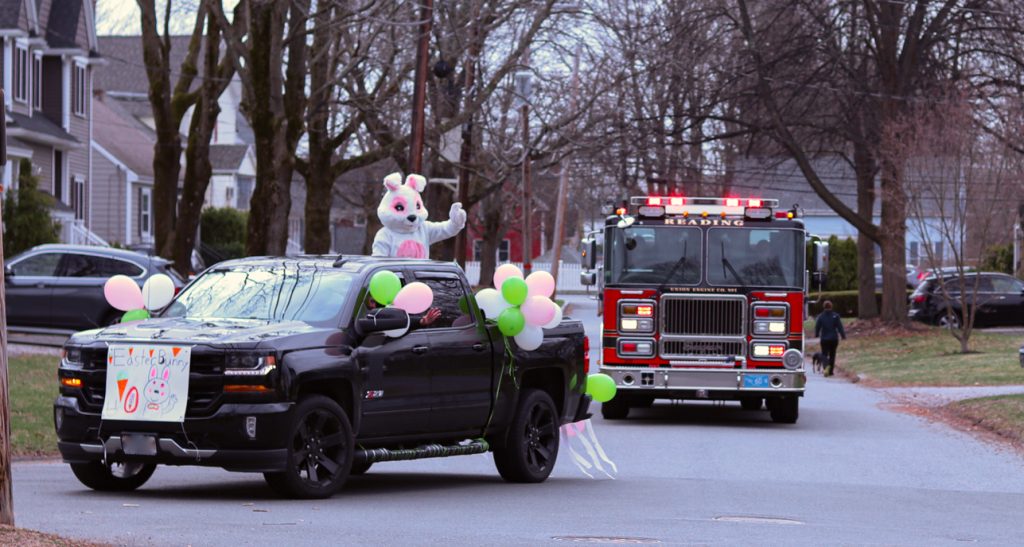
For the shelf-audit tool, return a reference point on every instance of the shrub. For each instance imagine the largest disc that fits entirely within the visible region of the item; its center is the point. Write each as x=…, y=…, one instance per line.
x=998, y=258
x=27, y=220
x=223, y=230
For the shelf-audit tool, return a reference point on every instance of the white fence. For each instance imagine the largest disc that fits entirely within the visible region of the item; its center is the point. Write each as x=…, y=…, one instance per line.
x=568, y=274
x=75, y=233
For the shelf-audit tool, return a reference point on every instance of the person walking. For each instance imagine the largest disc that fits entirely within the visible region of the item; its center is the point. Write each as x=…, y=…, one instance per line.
x=828, y=328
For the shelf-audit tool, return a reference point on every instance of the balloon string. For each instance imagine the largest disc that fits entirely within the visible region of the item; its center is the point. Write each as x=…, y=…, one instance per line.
x=512, y=362
x=501, y=378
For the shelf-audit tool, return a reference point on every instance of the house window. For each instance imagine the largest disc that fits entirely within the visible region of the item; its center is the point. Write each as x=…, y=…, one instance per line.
x=360, y=220
x=37, y=82
x=915, y=253
x=20, y=74
x=229, y=196
x=503, y=250
x=146, y=213
x=58, y=175
x=78, y=196
x=78, y=90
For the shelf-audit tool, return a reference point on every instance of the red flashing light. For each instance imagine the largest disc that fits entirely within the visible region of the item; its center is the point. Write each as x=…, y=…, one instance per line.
x=620, y=211
x=754, y=203
x=919, y=298
x=762, y=312
x=922, y=275
x=732, y=202
x=782, y=214
x=645, y=311
x=677, y=201
x=629, y=347
x=654, y=201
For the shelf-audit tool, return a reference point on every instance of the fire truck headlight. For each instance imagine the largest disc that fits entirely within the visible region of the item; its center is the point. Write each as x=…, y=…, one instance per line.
x=636, y=325
x=769, y=327
x=792, y=359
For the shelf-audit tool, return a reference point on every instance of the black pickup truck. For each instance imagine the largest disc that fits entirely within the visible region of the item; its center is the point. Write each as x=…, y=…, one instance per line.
x=291, y=375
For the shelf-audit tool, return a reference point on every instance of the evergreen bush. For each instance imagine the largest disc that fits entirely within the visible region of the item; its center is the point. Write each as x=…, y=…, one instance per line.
x=27, y=220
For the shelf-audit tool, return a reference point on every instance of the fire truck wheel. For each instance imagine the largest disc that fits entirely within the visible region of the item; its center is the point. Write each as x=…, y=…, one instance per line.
x=751, y=403
x=785, y=410
x=616, y=409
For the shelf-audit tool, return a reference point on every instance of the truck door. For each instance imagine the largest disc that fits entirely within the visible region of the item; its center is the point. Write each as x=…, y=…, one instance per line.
x=460, y=357
x=396, y=382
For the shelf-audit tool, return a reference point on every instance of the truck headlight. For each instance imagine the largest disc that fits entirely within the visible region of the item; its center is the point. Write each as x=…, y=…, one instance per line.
x=768, y=350
x=636, y=316
x=249, y=364
x=636, y=325
x=769, y=327
x=71, y=357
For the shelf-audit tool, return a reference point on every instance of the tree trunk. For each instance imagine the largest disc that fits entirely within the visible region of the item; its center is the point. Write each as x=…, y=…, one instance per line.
x=318, y=209
x=319, y=173
x=894, y=258
x=6, y=487
x=864, y=166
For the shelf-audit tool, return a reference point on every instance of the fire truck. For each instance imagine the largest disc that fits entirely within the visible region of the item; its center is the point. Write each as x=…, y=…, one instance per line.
x=703, y=298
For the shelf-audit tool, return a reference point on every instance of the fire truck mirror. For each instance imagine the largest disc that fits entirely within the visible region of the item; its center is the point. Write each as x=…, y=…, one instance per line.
x=820, y=257
x=589, y=253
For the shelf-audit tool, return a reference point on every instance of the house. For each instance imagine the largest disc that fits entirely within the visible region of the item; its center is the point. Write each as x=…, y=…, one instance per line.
x=48, y=55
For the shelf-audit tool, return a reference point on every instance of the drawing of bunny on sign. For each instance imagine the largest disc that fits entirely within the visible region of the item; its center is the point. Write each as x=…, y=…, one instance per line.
x=147, y=382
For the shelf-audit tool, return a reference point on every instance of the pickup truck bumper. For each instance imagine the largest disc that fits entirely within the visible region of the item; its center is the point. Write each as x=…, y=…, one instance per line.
x=237, y=437
x=706, y=383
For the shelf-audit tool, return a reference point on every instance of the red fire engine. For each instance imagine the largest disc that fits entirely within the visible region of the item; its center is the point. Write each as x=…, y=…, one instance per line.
x=703, y=298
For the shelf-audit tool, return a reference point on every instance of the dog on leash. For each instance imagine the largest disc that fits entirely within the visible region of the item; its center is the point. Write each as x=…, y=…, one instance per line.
x=818, y=362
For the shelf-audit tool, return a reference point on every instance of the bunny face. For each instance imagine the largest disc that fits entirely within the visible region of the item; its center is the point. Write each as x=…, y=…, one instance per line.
x=402, y=208
x=157, y=389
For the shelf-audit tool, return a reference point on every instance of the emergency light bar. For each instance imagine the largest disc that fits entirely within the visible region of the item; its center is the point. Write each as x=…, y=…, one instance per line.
x=664, y=201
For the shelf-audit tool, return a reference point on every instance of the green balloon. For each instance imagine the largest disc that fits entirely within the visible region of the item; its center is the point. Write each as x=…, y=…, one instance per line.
x=514, y=290
x=135, y=315
x=601, y=387
x=384, y=286
x=511, y=322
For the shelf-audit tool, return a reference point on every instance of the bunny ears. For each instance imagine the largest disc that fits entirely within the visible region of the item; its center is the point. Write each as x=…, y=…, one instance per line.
x=417, y=182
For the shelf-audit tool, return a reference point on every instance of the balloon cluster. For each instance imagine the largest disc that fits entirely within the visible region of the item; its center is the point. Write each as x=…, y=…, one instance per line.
x=123, y=293
x=386, y=288
x=523, y=307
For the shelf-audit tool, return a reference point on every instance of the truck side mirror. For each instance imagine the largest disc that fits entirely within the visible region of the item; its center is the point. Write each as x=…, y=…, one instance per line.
x=393, y=322
x=588, y=278
x=820, y=257
x=589, y=254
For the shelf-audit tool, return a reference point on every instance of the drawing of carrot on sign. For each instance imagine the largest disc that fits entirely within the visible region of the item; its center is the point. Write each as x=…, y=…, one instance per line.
x=122, y=382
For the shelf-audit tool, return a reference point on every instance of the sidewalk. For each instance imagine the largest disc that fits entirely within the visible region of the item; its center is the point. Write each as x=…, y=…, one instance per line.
x=941, y=396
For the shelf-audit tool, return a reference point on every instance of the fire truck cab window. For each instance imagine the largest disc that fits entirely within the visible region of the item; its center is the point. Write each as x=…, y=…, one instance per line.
x=755, y=257
x=647, y=254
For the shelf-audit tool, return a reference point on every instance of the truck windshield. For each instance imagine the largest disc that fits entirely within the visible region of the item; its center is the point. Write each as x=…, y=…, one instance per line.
x=755, y=257
x=313, y=295
x=653, y=254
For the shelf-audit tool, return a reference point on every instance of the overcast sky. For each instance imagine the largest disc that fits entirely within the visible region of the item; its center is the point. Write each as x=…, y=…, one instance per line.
x=122, y=16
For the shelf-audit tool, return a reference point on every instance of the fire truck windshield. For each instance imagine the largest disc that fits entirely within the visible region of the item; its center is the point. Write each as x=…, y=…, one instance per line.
x=653, y=254
x=761, y=257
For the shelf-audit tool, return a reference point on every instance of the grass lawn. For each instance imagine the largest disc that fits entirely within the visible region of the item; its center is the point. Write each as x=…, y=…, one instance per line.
x=930, y=357
x=32, y=383
x=1003, y=414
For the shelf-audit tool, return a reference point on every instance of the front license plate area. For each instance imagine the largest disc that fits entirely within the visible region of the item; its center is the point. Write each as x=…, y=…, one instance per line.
x=756, y=381
x=135, y=444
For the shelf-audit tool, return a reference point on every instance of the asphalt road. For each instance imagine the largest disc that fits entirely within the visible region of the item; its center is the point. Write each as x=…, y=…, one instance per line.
x=851, y=471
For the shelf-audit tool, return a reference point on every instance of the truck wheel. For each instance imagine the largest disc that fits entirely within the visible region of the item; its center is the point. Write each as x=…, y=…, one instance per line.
x=320, y=445
x=530, y=445
x=751, y=403
x=616, y=409
x=785, y=410
x=113, y=477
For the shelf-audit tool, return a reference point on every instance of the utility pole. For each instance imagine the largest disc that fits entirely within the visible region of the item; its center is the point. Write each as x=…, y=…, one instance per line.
x=527, y=234
x=466, y=153
x=563, y=179
x=419, y=93
x=6, y=491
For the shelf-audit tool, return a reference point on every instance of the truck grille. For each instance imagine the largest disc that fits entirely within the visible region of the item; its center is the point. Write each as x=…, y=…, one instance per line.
x=701, y=348
x=703, y=316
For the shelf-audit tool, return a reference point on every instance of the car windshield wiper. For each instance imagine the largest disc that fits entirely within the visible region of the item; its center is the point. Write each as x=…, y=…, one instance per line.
x=727, y=264
x=680, y=262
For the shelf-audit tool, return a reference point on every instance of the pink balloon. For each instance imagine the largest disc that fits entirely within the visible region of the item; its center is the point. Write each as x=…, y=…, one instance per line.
x=538, y=310
x=414, y=298
x=504, y=272
x=540, y=284
x=122, y=293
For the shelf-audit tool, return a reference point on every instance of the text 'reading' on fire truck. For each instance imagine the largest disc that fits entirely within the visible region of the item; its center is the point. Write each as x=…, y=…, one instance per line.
x=703, y=298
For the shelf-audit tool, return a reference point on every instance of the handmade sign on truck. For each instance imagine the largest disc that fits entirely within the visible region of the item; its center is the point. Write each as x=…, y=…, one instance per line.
x=146, y=382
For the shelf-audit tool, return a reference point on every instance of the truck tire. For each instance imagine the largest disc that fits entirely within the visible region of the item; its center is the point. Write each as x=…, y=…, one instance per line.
x=113, y=477
x=616, y=409
x=528, y=451
x=785, y=410
x=751, y=403
x=320, y=448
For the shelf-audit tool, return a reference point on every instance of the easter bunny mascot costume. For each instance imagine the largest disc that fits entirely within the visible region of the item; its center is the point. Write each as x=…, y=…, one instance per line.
x=407, y=233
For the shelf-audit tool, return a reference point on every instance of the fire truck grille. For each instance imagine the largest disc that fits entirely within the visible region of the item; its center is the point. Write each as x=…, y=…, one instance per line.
x=688, y=316
x=701, y=348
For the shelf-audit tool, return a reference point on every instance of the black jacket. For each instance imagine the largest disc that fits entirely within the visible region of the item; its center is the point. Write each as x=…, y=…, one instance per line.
x=829, y=326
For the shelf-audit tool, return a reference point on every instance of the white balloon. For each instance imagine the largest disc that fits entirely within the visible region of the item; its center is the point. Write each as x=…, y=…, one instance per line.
x=556, y=320
x=157, y=292
x=529, y=338
x=492, y=303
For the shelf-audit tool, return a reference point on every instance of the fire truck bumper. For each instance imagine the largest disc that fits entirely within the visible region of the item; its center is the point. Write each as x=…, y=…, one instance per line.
x=706, y=383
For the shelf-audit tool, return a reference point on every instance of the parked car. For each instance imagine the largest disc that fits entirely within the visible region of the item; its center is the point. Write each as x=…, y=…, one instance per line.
x=911, y=276
x=61, y=286
x=290, y=376
x=198, y=265
x=999, y=299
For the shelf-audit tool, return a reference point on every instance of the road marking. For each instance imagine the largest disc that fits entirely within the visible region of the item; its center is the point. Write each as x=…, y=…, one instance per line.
x=606, y=539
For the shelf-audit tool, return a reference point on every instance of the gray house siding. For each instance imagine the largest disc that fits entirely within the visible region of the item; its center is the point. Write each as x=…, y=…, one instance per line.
x=108, y=208
x=42, y=166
